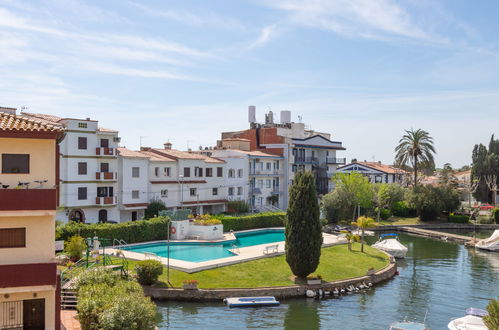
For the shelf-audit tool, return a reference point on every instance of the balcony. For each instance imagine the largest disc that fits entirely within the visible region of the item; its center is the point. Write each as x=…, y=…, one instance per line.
x=341, y=161
x=105, y=200
x=277, y=191
x=255, y=191
x=28, y=199
x=265, y=172
x=106, y=176
x=306, y=160
x=102, y=151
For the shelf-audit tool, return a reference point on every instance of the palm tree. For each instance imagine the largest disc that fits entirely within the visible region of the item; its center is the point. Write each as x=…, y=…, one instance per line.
x=415, y=147
x=363, y=223
x=351, y=238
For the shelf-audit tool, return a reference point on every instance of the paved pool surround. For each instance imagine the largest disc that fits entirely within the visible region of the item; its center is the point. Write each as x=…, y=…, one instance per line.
x=242, y=254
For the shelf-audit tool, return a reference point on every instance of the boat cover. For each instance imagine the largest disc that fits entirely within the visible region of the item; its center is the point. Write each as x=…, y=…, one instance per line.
x=492, y=241
x=476, y=312
x=392, y=246
x=468, y=322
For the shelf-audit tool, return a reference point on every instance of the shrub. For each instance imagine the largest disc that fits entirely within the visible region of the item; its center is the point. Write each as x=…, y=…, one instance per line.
x=458, y=218
x=259, y=220
x=153, y=209
x=385, y=214
x=495, y=215
x=402, y=209
x=129, y=312
x=205, y=220
x=430, y=201
x=237, y=207
x=148, y=271
x=97, y=276
x=492, y=320
x=74, y=247
x=131, y=232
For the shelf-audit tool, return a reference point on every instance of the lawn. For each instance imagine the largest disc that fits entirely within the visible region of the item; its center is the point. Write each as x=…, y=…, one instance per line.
x=336, y=263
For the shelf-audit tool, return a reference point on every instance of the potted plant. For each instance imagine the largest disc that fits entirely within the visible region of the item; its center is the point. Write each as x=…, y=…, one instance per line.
x=314, y=279
x=190, y=285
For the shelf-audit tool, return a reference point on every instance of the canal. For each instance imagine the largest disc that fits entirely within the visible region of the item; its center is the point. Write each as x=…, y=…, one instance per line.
x=438, y=279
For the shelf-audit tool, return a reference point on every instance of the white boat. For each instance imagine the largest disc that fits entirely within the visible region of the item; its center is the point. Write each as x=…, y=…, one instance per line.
x=251, y=301
x=491, y=243
x=391, y=246
x=472, y=321
x=408, y=326
x=366, y=232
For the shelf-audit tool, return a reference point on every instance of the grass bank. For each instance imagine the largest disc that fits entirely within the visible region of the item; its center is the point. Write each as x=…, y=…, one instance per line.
x=336, y=263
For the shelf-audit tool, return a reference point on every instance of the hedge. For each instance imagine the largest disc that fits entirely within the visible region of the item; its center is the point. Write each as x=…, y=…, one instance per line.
x=131, y=232
x=259, y=220
x=495, y=215
x=458, y=218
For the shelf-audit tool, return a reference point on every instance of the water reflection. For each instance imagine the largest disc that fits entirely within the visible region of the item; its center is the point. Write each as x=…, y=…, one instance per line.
x=302, y=315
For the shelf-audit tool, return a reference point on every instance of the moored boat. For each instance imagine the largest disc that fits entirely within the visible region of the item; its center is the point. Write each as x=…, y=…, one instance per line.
x=491, y=243
x=472, y=321
x=251, y=301
x=391, y=246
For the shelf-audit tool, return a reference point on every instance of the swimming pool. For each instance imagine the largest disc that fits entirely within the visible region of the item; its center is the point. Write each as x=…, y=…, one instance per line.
x=198, y=252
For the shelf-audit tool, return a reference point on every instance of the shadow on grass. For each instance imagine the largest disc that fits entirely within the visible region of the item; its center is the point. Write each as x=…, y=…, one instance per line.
x=371, y=254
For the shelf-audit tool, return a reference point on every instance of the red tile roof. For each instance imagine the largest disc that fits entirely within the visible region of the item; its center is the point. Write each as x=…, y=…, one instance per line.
x=56, y=121
x=131, y=153
x=11, y=122
x=389, y=169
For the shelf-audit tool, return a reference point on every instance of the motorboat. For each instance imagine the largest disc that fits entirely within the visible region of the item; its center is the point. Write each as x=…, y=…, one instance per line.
x=366, y=232
x=391, y=245
x=472, y=321
x=405, y=325
x=251, y=301
x=491, y=243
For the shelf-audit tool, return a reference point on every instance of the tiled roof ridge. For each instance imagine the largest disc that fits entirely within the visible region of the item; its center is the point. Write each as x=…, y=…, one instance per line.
x=12, y=122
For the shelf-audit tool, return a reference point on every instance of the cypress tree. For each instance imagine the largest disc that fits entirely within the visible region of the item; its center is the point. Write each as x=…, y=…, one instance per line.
x=303, y=227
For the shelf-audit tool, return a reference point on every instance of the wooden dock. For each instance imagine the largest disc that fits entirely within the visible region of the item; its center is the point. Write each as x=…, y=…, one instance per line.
x=467, y=240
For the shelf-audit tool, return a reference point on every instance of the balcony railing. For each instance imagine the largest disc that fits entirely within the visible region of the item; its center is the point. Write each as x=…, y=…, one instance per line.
x=265, y=172
x=306, y=160
x=103, y=151
x=28, y=199
x=330, y=160
x=255, y=191
x=105, y=175
x=105, y=200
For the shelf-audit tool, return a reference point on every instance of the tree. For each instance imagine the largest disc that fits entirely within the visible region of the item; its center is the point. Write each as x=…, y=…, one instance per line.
x=415, y=147
x=363, y=223
x=351, y=237
x=430, y=201
x=492, y=320
x=485, y=167
x=153, y=209
x=356, y=186
x=303, y=227
x=446, y=176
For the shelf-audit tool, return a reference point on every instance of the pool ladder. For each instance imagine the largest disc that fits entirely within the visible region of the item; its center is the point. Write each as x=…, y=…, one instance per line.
x=235, y=249
x=121, y=243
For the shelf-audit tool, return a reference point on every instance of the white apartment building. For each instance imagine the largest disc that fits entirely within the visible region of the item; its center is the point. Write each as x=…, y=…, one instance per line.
x=88, y=170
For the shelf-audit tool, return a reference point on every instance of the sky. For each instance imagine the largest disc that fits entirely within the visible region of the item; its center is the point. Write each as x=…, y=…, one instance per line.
x=184, y=71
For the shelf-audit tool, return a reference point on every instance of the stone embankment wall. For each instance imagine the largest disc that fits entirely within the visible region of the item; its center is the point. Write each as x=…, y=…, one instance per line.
x=436, y=226
x=282, y=292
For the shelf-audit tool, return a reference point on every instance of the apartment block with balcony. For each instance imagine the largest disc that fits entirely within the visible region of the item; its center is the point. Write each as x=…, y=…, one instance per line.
x=29, y=296
x=88, y=170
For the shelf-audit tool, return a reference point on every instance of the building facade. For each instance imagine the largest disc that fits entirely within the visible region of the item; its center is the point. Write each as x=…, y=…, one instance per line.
x=376, y=172
x=89, y=170
x=29, y=297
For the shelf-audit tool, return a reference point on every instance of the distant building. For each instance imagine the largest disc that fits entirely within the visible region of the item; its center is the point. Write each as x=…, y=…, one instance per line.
x=376, y=172
x=88, y=169
x=29, y=179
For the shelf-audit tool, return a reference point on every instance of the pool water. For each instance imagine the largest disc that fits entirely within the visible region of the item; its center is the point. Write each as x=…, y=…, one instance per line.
x=198, y=252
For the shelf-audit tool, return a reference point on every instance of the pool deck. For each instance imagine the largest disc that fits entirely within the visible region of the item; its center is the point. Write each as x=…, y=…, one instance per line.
x=241, y=254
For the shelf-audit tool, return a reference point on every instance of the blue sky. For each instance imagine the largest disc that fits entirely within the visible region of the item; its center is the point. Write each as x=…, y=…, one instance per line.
x=184, y=71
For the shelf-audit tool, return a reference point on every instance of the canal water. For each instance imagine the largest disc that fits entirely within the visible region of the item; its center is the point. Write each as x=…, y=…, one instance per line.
x=437, y=279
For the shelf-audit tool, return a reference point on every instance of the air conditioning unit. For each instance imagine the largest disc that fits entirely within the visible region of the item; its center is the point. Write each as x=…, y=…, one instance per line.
x=117, y=139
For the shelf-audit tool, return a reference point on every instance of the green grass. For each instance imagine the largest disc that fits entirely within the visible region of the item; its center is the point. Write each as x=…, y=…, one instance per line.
x=394, y=221
x=337, y=263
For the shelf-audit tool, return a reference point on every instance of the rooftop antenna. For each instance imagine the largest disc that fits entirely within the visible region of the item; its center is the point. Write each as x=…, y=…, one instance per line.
x=299, y=118
x=141, y=137
x=188, y=142
x=24, y=108
x=374, y=158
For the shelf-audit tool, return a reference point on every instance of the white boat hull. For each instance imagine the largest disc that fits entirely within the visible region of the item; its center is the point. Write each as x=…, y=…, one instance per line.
x=468, y=322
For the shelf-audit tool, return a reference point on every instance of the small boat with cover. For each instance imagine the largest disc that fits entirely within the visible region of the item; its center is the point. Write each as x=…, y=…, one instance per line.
x=491, y=243
x=391, y=245
x=472, y=321
x=251, y=301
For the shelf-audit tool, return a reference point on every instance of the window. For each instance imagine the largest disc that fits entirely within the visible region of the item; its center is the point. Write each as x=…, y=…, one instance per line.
x=15, y=163
x=193, y=191
x=104, y=143
x=105, y=192
x=82, y=168
x=134, y=215
x=261, y=166
x=198, y=171
x=220, y=172
x=269, y=183
x=187, y=172
x=135, y=172
x=214, y=191
x=82, y=143
x=209, y=172
x=82, y=193
x=231, y=191
x=12, y=237
x=156, y=171
x=276, y=165
x=240, y=173
x=167, y=171
x=239, y=191
x=269, y=166
x=164, y=193
x=82, y=125
x=260, y=183
x=294, y=168
x=104, y=167
x=135, y=194
x=231, y=173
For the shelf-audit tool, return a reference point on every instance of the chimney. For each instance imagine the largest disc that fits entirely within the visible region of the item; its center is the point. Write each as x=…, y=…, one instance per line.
x=168, y=146
x=251, y=114
x=11, y=111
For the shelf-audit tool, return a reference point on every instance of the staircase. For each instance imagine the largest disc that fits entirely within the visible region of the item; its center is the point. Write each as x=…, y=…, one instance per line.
x=68, y=299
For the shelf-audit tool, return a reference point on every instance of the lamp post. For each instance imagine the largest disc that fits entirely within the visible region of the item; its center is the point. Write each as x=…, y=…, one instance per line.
x=180, y=178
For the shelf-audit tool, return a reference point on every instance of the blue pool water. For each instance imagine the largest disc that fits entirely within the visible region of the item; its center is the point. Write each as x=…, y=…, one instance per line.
x=197, y=252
